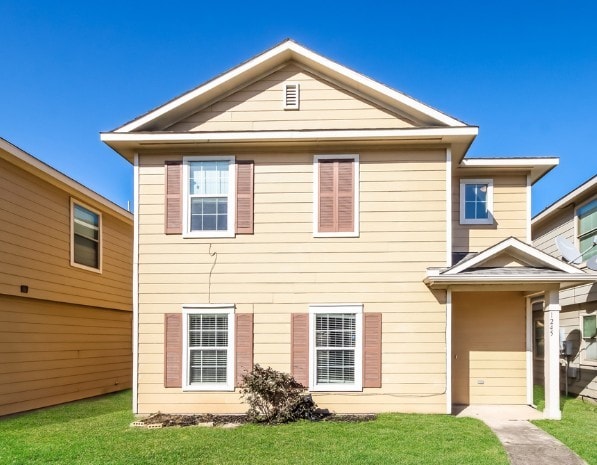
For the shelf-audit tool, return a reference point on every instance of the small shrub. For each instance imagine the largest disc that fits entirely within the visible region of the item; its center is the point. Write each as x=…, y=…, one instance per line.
x=276, y=397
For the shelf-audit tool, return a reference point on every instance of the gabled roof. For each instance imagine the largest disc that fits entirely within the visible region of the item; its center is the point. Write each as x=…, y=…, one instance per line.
x=536, y=267
x=581, y=191
x=151, y=130
x=29, y=163
x=272, y=59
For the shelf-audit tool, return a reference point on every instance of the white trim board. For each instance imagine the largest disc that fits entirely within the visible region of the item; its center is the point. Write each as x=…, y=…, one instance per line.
x=276, y=56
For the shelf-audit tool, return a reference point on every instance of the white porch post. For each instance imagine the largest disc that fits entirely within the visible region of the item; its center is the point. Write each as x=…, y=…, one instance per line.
x=552, y=355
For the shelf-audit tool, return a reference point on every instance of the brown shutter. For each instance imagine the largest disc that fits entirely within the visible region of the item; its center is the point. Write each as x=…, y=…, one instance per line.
x=244, y=197
x=372, y=350
x=345, y=198
x=173, y=350
x=336, y=195
x=299, y=347
x=327, y=216
x=173, y=204
x=243, y=345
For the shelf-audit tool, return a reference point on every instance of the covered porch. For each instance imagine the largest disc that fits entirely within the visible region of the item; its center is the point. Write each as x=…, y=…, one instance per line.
x=489, y=324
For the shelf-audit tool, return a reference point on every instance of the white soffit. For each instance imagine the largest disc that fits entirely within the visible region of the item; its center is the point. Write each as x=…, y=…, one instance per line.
x=536, y=166
x=275, y=57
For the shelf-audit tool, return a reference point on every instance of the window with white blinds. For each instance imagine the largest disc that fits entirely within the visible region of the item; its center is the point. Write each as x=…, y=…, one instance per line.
x=208, y=348
x=335, y=337
x=336, y=348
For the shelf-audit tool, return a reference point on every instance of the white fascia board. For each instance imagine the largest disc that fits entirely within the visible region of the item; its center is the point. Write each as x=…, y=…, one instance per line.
x=364, y=81
x=537, y=167
x=493, y=279
x=509, y=162
x=303, y=55
x=567, y=199
x=201, y=90
x=517, y=245
x=415, y=133
x=35, y=166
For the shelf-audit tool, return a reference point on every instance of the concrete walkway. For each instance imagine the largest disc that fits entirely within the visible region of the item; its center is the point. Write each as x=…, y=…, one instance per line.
x=525, y=443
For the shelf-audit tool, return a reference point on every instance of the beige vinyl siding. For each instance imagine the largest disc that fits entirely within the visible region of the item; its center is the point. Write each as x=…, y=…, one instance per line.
x=54, y=352
x=544, y=235
x=509, y=211
x=488, y=348
x=561, y=225
x=259, y=107
x=281, y=269
x=35, y=246
x=585, y=382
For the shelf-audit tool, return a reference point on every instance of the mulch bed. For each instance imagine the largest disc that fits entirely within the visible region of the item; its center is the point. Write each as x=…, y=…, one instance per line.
x=166, y=420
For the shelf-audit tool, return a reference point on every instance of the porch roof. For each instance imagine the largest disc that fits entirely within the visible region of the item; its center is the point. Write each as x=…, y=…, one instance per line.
x=529, y=268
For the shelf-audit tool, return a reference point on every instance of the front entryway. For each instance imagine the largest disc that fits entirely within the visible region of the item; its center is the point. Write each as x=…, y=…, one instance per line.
x=488, y=348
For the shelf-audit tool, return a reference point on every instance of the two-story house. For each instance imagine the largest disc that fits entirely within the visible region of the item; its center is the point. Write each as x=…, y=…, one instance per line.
x=574, y=218
x=65, y=287
x=294, y=213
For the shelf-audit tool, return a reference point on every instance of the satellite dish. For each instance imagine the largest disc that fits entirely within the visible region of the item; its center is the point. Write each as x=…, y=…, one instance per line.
x=570, y=253
x=592, y=263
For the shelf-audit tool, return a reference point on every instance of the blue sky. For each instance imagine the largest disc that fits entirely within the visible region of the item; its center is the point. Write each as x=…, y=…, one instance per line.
x=524, y=72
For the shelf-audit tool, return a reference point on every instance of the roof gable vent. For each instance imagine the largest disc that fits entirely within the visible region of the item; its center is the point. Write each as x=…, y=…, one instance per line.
x=291, y=96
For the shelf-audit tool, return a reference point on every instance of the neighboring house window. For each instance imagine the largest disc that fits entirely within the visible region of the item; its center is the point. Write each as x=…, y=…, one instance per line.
x=208, y=348
x=589, y=337
x=209, y=196
x=476, y=201
x=336, y=195
x=86, y=237
x=336, y=348
x=587, y=228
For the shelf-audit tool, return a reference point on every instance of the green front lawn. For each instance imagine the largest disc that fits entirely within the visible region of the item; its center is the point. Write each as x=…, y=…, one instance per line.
x=576, y=429
x=96, y=431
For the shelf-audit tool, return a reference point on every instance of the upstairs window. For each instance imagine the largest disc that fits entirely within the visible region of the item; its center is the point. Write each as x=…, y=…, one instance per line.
x=85, y=237
x=476, y=201
x=587, y=228
x=209, y=198
x=336, y=196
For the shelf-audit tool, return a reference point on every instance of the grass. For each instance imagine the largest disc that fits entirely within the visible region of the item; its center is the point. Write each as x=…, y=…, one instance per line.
x=577, y=427
x=96, y=431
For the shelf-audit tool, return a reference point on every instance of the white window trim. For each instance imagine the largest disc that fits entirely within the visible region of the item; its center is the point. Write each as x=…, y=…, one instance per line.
x=583, y=341
x=207, y=308
x=356, y=190
x=490, y=219
x=577, y=224
x=186, y=211
x=357, y=309
x=74, y=202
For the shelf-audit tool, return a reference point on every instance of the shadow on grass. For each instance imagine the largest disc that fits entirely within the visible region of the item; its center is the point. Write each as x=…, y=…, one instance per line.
x=539, y=398
x=72, y=411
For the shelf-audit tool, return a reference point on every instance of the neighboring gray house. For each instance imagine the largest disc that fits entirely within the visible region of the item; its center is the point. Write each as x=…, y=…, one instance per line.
x=573, y=217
